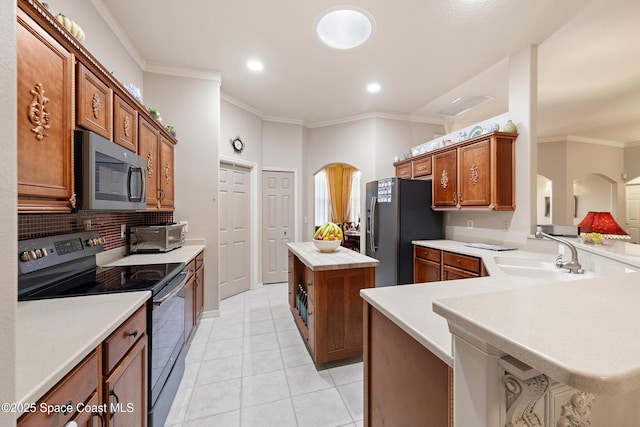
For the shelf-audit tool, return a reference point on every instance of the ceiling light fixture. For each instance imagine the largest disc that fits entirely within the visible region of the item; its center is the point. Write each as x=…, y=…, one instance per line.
x=344, y=27
x=373, y=87
x=255, y=65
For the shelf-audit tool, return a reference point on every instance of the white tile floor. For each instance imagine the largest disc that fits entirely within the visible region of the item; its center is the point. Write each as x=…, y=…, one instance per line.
x=249, y=367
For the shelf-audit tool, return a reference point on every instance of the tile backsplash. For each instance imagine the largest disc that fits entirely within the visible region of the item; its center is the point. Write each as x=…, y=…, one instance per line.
x=107, y=224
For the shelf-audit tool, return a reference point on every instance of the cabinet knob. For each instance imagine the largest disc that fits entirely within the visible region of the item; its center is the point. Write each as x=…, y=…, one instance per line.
x=134, y=333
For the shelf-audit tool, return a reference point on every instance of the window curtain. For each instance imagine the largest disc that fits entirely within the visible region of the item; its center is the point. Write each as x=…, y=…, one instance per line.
x=323, y=209
x=333, y=193
x=354, y=199
x=347, y=175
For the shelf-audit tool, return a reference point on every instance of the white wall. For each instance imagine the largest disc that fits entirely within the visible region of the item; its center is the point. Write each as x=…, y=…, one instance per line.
x=100, y=40
x=8, y=198
x=192, y=106
x=569, y=159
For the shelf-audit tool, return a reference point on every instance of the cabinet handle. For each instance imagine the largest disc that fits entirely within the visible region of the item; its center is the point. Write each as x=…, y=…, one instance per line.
x=461, y=197
x=134, y=333
x=453, y=197
x=95, y=414
x=458, y=261
x=309, y=284
x=113, y=393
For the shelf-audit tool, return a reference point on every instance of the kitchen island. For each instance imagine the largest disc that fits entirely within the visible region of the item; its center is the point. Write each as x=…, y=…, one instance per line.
x=324, y=298
x=472, y=390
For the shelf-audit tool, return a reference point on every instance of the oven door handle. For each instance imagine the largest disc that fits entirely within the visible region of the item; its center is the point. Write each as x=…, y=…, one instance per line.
x=174, y=291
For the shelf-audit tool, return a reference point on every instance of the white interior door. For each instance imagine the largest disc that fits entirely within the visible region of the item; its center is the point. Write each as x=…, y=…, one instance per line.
x=278, y=224
x=234, y=233
x=633, y=213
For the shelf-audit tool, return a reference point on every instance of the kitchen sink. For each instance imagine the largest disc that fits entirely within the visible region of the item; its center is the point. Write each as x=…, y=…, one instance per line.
x=538, y=269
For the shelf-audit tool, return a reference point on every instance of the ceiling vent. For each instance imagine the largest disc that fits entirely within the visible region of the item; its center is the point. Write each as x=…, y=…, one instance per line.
x=462, y=104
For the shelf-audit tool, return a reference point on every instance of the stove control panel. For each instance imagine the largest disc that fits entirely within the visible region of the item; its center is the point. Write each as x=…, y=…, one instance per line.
x=43, y=252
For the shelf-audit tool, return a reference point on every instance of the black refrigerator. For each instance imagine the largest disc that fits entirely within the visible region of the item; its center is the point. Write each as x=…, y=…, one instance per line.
x=398, y=212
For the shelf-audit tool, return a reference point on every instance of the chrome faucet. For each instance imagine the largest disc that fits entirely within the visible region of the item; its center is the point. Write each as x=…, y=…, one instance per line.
x=573, y=266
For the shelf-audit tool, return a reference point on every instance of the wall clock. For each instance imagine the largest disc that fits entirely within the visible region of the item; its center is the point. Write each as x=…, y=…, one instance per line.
x=237, y=144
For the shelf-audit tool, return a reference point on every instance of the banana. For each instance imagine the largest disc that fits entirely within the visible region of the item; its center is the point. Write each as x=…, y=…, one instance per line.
x=326, y=231
x=318, y=231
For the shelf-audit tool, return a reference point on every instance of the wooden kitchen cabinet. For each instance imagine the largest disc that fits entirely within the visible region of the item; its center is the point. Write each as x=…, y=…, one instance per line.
x=45, y=120
x=419, y=168
x=79, y=385
x=445, y=180
x=166, y=183
x=125, y=388
x=158, y=151
x=404, y=383
x=194, y=295
x=94, y=103
x=333, y=330
x=432, y=265
x=426, y=264
x=124, y=369
x=125, y=124
x=477, y=174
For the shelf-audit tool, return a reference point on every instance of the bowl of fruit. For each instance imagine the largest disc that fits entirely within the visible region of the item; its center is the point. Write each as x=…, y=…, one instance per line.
x=328, y=237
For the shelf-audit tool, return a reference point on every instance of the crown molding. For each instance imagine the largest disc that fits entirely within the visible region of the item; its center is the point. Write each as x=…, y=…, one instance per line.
x=285, y=120
x=192, y=73
x=581, y=139
x=239, y=104
x=118, y=31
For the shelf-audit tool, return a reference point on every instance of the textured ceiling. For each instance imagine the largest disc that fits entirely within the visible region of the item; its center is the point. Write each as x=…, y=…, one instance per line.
x=424, y=53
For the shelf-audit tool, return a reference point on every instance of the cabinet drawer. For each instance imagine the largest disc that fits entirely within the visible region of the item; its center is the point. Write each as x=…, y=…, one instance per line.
x=191, y=266
x=427, y=253
x=94, y=103
x=422, y=167
x=199, y=260
x=119, y=342
x=74, y=388
x=403, y=171
x=464, y=262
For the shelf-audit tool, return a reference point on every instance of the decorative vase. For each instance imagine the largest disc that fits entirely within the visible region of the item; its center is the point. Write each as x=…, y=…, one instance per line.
x=510, y=127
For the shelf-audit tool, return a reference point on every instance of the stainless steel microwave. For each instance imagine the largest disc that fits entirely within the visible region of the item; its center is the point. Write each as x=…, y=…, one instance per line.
x=108, y=177
x=156, y=238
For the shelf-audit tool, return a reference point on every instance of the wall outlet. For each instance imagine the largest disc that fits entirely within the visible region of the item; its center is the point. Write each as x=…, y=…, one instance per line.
x=469, y=223
x=86, y=224
x=505, y=225
x=123, y=230
x=185, y=226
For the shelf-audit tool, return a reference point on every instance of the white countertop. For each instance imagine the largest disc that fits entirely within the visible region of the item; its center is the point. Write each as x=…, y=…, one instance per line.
x=341, y=258
x=54, y=335
x=183, y=254
x=409, y=306
x=582, y=333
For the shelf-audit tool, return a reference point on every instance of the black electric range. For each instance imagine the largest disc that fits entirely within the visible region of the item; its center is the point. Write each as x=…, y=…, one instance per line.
x=64, y=266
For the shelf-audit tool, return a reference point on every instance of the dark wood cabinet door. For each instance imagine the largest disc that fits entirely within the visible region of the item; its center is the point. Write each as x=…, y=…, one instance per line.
x=166, y=184
x=199, y=294
x=148, y=140
x=125, y=390
x=94, y=103
x=475, y=174
x=45, y=120
x=445, y=179
x=425, y=271
x=189, y=304
x=125, y=124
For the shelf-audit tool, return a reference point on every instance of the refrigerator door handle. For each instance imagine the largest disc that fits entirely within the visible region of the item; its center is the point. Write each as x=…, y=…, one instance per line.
x=372, y=235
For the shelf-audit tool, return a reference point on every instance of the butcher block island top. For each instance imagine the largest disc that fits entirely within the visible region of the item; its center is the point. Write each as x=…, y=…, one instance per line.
x=324, y=298
x=342, y=258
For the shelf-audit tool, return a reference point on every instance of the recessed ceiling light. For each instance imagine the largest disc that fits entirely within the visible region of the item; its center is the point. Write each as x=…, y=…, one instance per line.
x=255, y=65
x=344, y=27
x=373, y=87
